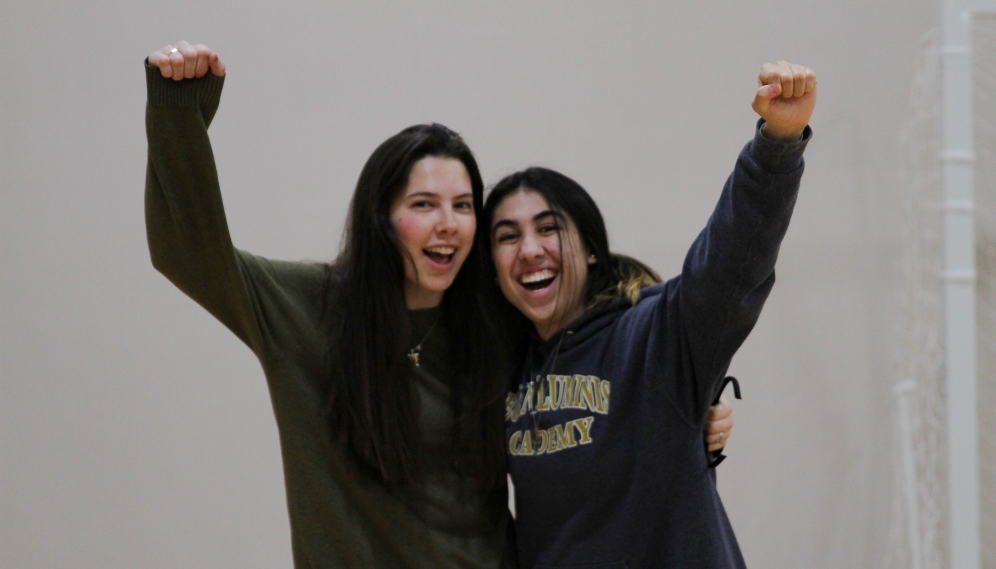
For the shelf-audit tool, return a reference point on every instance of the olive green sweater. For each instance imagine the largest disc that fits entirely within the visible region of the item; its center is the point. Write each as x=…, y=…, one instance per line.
x=341, y=513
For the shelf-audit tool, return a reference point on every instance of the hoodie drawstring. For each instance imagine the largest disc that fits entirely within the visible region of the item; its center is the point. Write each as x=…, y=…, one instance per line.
x=717, y=456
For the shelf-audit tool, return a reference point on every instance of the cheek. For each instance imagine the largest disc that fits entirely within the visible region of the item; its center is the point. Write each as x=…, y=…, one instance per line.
x=578, y=267
x=552, y=249
x=503, y=263
x=468, y=228
x=409, y=232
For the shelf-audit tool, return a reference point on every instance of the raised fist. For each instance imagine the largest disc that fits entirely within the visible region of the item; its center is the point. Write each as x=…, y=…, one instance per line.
x=185, y=61
x=785, y=99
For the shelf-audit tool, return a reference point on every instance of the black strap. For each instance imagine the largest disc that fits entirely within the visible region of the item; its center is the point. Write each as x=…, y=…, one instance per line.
x=717, y=456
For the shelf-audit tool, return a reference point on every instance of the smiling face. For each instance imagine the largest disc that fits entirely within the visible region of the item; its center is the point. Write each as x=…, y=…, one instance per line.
x=434, y=220
x=540, y=260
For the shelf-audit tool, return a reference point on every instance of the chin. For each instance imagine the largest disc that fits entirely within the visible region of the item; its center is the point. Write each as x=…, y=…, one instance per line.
x=537, y=318
x=437, y=285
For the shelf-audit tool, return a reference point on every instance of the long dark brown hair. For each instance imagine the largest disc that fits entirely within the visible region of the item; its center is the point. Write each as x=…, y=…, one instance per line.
x=371, y=402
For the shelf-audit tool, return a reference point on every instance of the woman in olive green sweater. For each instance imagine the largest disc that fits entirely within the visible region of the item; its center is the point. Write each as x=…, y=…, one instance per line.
x=389, y=412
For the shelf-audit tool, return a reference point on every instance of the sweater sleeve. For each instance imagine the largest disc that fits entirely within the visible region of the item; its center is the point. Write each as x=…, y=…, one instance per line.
x=730, y=268
x=185, y=221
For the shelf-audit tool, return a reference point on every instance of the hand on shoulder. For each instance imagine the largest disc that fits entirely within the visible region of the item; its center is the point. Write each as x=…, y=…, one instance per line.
x=719, y=424
x=185, y=61
x=785, y=99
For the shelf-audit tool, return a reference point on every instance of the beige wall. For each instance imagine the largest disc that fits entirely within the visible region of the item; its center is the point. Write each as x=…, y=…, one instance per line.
x=135, y=431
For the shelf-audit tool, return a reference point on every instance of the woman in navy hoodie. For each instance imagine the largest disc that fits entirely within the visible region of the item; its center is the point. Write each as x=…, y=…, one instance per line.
x=618, y=370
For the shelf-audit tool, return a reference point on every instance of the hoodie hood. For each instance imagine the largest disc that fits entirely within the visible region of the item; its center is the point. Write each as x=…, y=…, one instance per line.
x=591, y=322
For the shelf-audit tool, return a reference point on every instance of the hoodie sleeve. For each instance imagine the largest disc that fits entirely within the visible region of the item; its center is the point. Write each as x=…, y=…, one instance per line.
x=185, y=220
x=730, y=268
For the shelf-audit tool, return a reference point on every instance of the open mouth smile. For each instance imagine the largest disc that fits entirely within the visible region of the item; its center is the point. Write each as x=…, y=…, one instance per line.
x=441, y=255
x=540, y=280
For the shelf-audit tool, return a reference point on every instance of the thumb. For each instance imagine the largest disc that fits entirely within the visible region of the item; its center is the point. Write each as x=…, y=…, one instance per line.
x=765, y=93
x=769, y=91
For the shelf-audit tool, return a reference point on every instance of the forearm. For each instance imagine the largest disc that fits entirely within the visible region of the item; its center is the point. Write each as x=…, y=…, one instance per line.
x=185, y=219
x=738, y=247
x=729, y=270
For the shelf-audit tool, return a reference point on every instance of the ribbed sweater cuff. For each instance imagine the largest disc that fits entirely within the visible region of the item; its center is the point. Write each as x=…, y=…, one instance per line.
x=203, y=93
x=779, y=157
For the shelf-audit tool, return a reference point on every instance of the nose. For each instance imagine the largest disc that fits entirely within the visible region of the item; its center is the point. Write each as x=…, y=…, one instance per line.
x=447, y=223
x=530, y=248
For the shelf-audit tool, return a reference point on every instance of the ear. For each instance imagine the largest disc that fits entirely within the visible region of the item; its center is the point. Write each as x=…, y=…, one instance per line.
x=592, y=259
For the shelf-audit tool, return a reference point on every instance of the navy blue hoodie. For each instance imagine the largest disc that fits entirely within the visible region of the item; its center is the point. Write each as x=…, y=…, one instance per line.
x=605, y=430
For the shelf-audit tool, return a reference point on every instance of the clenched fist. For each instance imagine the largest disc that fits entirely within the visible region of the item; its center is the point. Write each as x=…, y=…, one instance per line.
x=185, y=61
x=785, y=99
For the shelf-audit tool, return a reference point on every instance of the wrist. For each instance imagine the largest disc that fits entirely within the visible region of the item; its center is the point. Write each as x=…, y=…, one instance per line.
x=777, y=133
x=776, y=157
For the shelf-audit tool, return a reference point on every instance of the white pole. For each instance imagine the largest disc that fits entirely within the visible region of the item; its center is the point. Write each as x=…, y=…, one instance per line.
x=902, y=391
x=958, y=157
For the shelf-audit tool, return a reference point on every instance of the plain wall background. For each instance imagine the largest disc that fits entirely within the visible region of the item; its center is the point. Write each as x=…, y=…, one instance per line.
x=136, y=431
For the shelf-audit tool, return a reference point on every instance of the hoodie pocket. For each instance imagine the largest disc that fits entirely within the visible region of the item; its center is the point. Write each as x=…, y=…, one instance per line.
x=616, y=565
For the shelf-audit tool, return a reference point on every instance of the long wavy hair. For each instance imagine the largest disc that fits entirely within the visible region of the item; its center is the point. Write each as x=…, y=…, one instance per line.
x=372, y=406
x=611, y=277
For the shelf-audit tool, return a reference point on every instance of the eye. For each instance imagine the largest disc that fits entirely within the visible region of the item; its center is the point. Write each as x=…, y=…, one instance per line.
x=548, y=228
x=464, y=206
x=506, y=237
x=421, y=204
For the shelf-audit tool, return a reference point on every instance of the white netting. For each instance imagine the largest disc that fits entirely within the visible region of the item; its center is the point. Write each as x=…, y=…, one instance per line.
x=918, y=533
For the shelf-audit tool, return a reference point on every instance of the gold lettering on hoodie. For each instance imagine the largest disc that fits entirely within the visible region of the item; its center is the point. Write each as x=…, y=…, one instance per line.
x=581, y=392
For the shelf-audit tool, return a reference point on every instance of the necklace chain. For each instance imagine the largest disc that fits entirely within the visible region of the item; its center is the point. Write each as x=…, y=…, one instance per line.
x=416, y=352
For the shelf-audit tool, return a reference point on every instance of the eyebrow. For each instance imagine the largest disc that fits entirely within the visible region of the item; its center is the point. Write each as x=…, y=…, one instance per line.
x=512, y=223
x=548, y=213
x=435, y=195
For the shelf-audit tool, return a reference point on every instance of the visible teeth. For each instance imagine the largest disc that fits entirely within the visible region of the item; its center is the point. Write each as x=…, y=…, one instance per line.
x=538, y=276
x=441, y=250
